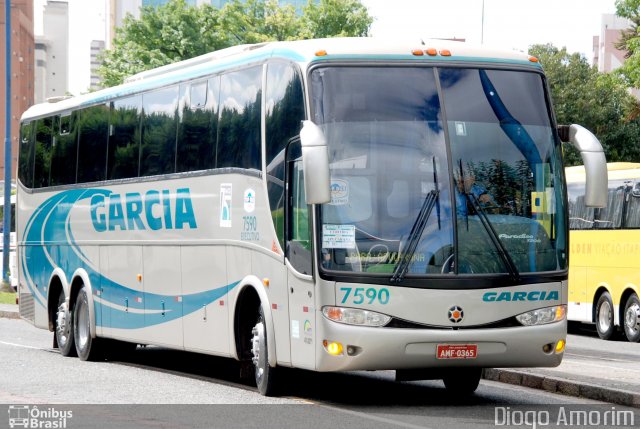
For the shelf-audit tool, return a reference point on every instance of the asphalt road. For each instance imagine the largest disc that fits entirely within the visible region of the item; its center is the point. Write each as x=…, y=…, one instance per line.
x=156, y=387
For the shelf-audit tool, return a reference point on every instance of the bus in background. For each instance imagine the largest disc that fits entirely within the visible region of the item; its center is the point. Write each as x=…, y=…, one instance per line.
x=307, y=204
x=604, y=263
x=13, y=268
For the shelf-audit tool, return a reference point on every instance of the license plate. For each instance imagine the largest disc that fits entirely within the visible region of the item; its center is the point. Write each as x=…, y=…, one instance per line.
x=457, y=351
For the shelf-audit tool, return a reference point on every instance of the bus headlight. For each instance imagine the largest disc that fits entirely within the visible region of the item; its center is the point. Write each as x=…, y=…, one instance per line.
x=542, y=316
x=355, y=316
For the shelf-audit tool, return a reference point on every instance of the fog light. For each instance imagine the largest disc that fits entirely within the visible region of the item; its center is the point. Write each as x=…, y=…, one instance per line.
x=547, y=348
x=332, y=347
x=560, y=346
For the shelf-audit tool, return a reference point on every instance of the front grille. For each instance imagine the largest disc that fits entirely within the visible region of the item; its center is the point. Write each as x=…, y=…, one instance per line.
x=405, y=324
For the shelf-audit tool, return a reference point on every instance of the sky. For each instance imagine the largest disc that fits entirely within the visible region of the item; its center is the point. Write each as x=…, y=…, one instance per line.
x=510, y=24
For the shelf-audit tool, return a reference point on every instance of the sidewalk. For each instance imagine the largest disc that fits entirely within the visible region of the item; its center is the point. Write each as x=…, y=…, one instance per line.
x=602, y=376
x=9, y=311
x=562, y=380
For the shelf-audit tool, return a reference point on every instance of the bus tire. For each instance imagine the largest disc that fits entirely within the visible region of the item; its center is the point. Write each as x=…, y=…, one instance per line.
x=632, y=318
x=462, y=381
x=63, y=328
x=604, y=317
x=264, y=374
x=87, y=348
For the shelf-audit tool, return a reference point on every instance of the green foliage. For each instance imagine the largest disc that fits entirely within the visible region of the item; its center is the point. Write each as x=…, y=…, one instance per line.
x=176, y=31
x=337, y=18
x=598, y=101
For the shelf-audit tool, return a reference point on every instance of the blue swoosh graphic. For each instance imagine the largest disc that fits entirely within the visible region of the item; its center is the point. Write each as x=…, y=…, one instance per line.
x=49, y=244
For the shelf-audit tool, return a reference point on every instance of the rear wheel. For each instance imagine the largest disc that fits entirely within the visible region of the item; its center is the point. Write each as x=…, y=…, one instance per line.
x=87, y=348
x=632, y=318
x=264, y=374
x=63, y=328
x=463, y=381
x=604, y=317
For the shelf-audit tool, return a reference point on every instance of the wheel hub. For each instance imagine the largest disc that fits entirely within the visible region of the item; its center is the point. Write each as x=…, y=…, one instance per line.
x=257, y=345
x=62, y=327
x=604, y=316
x=632, y=318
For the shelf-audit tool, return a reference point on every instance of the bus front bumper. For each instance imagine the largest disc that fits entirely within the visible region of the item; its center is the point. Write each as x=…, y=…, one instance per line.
x=367, y=348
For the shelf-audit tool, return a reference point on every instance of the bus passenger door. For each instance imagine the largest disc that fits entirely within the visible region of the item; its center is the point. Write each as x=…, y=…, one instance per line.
x=298, y=243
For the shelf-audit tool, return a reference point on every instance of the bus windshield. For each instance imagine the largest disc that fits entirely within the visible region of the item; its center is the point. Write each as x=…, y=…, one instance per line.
x=438, y=171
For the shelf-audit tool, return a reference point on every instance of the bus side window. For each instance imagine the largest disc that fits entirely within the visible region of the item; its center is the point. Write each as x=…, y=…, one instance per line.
x=27, y=148
x=65, y=151
x=44, y=144
x=198, y=125
x=298, y=242
x=239, y=124
x=157, y=151
x=633, y=209
x=124, y=138
x=284, y=113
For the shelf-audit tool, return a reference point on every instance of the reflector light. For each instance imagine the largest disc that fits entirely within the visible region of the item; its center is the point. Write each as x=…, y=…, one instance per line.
x=533, y=59
x=445, y=53
x=321, y=53
x=432, y=51
x=417, y=52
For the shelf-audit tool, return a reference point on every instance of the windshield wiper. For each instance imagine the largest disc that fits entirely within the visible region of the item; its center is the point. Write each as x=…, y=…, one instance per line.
x=498, y=244
x=414, y=236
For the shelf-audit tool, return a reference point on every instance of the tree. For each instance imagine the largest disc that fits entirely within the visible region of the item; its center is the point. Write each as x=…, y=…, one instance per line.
x=630, y=41
x=598, y=101
x=176, y=31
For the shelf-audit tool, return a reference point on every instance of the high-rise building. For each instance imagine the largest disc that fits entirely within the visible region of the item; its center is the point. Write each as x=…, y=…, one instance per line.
x=97, y=46
x=22, y=69
x=52, y=52
x=605, y=55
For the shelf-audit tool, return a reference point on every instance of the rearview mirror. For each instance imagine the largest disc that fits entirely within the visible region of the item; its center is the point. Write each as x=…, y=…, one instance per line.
x=315, y=161
x=595, y=163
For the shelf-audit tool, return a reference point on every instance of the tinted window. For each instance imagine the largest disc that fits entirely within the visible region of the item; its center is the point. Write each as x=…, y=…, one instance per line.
x=239, y=133
x=44, y=141
x=159, y=132
x=25, y=162
x=284, y=115
x=93, y=129
x=197, y=135
x=65, y=151
x=124, y=141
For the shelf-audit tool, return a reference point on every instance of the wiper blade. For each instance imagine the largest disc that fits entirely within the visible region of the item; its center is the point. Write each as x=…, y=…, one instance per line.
x=499, y=245
x=414, y=236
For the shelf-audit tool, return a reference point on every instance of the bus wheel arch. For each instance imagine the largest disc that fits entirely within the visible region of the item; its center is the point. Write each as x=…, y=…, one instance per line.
x=604, y=314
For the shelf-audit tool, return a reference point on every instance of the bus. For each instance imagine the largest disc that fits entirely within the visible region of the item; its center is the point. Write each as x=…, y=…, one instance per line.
x=294, y=204
x=604, y=275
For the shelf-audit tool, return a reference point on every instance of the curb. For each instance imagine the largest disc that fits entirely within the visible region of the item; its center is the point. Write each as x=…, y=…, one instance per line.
x=9, y=314
x=564, y=387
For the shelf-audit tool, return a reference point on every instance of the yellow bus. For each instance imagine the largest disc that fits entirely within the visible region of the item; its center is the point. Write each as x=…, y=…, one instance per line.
x=604, y=262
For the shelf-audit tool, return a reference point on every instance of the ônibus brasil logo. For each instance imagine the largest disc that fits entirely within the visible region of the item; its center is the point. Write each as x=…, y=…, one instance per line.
x=26, y=416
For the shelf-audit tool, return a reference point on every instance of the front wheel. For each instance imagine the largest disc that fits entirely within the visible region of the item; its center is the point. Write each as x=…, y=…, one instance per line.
x=604, y=317
x=632, y=318
x=87, y=348
x=264, y=374
x=463, y=381
x=63, y=325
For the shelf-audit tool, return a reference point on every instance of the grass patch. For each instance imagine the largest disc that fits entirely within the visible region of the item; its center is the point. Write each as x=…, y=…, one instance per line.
x=7, y=298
